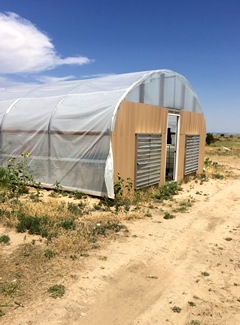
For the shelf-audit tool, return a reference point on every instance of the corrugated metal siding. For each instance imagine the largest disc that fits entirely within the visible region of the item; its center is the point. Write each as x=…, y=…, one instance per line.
x=192, y=154
x=148, y=160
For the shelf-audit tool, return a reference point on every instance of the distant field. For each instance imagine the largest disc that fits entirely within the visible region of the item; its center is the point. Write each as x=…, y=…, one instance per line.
x=222, y=144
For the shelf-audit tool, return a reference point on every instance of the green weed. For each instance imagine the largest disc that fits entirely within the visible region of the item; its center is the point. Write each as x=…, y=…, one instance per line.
x=34, y=225
x=57, y=291
x=228, y=238
x=68, y=224
x=201, y=177
x=167, y=191
x=4, y=239
x=122, y=200
x=97, y=207
x=35, y=197
x=103, y=258
x=176, y=309
x=19, y=274
x=186, y=179
x=194, y=322
x=16, y=176
x=183, y=206
x=101, y=228
x=49, y=253
x=76, y=209
x=1, y=313
x=9, y=288
x=196, y=297
x=3, y=197
x=148, y=215
x=191, y=303
x=168, y=215
x=58, y=187
x=205, y=273
x=77, y=195
x=122, y=187
x=217, y=176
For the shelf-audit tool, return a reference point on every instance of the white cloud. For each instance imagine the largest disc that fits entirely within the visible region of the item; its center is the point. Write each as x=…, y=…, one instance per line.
x=25, y=49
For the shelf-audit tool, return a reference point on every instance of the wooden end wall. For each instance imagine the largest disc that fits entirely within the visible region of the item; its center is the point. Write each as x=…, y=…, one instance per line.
x=135, y=118
x=191, y=124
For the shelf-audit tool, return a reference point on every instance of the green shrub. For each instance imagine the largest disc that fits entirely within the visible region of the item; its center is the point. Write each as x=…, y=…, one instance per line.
x=191, y=303
x=4, y=239
x=49, y=253
x=16, y=175
x=101, y=228
x=205, y=273
x=121, y=184
x=217, y=176
x=34, y=225
x=148, y=214
x=57, y=291
x=68, y=224
x=122, y=190
x=76, y=209
x=78, y=195
x=210, y=138
x=9, y=288
x=168, y=215
x=228, y=238
x=176, y=309
x=1, y=313
x=167, y=191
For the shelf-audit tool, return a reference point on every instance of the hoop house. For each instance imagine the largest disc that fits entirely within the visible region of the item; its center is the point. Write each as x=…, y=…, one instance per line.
x=81, y=133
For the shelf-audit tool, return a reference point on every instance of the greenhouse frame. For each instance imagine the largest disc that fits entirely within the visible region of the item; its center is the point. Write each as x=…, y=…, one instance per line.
x=148, y=127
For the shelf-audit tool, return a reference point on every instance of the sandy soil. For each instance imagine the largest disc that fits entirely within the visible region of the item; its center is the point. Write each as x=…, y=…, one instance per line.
x=141, y=278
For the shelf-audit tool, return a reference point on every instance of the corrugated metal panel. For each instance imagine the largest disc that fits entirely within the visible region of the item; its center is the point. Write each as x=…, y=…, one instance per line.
x=192, y=154
x=149, y=147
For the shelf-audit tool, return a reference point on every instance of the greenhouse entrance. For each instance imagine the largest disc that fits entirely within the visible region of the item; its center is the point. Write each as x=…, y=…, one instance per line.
x=172, y=147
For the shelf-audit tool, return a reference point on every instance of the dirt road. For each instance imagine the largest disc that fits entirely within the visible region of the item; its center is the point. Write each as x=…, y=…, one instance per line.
x=180, y=271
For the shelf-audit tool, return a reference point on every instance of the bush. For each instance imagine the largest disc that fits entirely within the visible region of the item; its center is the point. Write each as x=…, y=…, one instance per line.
x=16, y=175
x=49, y=253
x=168, y=215
x=167, y=191
x=4, y=239
x=34, y=225
x=210, y=138
x=57, y=291
x=68, y=224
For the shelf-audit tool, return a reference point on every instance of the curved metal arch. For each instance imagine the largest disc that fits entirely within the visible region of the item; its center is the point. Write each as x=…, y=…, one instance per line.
x=146, y=77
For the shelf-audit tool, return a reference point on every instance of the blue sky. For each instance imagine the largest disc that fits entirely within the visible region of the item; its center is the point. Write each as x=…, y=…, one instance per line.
x=76, y=39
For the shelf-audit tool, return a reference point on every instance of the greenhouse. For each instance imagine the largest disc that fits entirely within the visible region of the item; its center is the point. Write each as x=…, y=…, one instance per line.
x=148, y=126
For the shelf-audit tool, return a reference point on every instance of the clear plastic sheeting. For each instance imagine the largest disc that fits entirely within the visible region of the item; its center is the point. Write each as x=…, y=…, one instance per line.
x=66, y=126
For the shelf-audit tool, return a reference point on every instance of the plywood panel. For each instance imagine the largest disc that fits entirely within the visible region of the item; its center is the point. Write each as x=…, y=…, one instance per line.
x=135, y=118
x=191, y=124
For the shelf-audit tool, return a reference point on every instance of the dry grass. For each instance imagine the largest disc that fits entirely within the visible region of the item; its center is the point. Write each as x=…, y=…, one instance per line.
x=224, y=150
x=73, y=230
x=228, y=146
x=26, y=274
